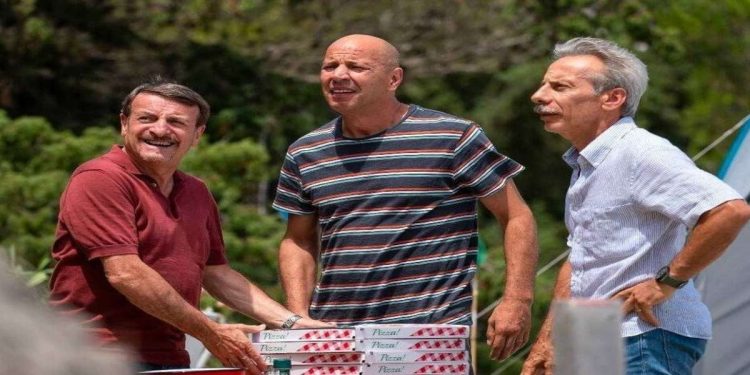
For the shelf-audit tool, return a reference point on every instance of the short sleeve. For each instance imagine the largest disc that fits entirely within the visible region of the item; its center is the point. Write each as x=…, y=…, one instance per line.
x=478, y=166
x=290, y=194
x=667, y=181
x=217, y=254
x=99, y=212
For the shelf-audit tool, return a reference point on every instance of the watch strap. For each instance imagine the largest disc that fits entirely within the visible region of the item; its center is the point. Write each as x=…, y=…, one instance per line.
x=289, y=322
x=662, y=277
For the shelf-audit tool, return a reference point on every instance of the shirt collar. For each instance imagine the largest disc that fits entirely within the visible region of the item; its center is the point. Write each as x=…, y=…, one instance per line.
x=596, y=151
x=118, y=156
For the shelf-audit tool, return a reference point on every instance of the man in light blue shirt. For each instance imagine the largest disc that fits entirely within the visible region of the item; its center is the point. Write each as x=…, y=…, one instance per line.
x=632, y=201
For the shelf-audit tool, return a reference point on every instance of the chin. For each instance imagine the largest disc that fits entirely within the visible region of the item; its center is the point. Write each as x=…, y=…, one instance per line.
x=156, y=156
x=552, y=127
x=338, y=107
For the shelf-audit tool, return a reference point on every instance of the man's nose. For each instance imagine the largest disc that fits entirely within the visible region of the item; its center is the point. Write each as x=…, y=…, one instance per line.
x=159, y=127
x=538, y=97
x=341, y=72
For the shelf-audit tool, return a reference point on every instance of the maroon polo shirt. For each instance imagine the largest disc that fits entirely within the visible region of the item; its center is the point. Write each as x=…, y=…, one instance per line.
x=110, y=208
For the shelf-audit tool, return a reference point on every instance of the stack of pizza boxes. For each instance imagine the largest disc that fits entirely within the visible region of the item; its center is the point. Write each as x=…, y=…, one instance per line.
x=329, y=351
x=413, y=348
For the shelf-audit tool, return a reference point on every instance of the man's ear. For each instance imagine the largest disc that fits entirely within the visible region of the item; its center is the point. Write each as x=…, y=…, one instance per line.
x=614, y=98
x=198, y=133
x=397, y=77
x=123, y=124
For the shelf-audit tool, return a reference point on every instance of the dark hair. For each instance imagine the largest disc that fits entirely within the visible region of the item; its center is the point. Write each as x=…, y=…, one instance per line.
x=172, y=91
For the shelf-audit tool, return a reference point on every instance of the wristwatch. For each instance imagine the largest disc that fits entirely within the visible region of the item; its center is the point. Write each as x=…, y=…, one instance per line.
x=289, y=322
x=662, y=277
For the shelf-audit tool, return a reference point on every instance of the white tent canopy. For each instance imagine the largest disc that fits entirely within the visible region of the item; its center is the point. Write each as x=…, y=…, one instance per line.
x=725, y=285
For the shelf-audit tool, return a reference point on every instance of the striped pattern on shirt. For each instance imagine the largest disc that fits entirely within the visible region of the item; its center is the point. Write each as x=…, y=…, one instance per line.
x=397, y=213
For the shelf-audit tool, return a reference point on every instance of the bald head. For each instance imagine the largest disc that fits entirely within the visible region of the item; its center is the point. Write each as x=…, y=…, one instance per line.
x=379, y=49
x=360, y=75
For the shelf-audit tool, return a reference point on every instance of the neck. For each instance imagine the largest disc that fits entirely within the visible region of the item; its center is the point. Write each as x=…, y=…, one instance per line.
x=597, y=130
x=162, y=175
x=371, y=122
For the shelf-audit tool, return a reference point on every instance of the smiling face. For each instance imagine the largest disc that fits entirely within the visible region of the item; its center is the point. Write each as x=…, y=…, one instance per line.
x=568, y=104
x=159, y=132
x=359, y=74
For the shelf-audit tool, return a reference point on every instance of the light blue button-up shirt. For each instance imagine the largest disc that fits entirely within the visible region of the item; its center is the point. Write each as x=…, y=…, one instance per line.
x=632, y=199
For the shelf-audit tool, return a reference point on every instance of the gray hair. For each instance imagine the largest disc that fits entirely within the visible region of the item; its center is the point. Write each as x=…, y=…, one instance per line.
x=623, y=68
x=172, y=91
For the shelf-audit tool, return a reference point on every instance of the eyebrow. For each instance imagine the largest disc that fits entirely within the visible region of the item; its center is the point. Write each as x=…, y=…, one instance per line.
x=557, y=80
x=151, y=113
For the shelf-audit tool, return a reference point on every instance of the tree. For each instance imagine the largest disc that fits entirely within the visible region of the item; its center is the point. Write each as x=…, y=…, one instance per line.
x=257, y=62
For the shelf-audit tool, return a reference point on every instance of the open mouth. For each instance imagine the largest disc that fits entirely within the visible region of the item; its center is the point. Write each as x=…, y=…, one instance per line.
x=159, y=143
x=341, y=91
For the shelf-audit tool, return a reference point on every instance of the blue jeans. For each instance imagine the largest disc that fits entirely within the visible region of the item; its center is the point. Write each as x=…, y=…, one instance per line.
x=662, y=352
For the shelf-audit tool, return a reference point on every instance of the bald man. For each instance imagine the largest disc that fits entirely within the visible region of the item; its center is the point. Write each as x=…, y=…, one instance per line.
x=383, y=200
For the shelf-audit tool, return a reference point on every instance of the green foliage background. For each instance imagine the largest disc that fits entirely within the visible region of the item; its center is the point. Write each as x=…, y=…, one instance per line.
x=66, y=64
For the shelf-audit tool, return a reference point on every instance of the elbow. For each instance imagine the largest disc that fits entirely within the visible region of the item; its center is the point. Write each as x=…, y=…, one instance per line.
x=121, y=279
x=740, y=212
x=745, y=212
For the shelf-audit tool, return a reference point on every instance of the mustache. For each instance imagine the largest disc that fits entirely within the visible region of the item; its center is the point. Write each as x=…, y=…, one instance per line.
x=541, y=110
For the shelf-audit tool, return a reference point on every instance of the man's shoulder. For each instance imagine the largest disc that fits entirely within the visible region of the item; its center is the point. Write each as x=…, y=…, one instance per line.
x=438, y=118
x=642, y=143
x=321, y=134
x=102, y=163
x=643, y=149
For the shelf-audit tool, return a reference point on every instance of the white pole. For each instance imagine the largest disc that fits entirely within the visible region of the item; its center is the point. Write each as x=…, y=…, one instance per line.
x=586, y=336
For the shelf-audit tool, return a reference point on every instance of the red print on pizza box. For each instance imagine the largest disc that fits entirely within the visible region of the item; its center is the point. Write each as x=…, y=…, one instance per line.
x=443, y=356
x=415, y=368
x=326, y=370
x=323, y=334
x=378, y=345
x=305, y=347
x=416, y=331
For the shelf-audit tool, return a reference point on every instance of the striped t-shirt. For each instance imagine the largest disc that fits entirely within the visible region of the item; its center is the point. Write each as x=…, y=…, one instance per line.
x=397, y=214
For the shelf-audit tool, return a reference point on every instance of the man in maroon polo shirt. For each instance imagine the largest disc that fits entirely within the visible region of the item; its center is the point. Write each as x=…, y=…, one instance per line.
x=137, y=239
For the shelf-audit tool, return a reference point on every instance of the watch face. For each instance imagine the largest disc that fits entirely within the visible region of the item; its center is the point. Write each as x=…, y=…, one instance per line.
x=661, y=273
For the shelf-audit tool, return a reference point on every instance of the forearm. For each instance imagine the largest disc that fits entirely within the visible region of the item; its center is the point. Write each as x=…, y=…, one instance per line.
x=298, y=270
x=521, y=256
x=148, y=291
x=234, y=290
x=714, y=232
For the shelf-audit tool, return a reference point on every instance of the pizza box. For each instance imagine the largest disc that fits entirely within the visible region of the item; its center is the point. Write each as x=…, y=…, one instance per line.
x=442, y=356
x=417, y=331
x=326, y=370
x=317, y=358
x=322, y=334
x=415, y=368
x=404, y=345
x=305, y=347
